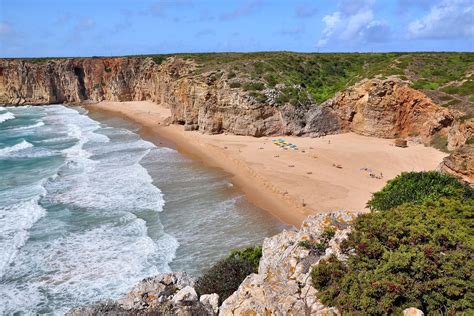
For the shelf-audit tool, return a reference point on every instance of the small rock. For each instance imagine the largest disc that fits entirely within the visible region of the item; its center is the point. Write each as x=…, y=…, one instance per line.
x=412, y=312
x=210, y=301
x=185, y=295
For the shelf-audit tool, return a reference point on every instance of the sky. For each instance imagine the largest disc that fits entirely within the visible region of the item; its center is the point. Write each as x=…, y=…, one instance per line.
x=46, y=28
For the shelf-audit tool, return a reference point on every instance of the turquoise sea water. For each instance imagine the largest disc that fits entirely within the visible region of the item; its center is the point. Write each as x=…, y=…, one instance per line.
x=88, y=208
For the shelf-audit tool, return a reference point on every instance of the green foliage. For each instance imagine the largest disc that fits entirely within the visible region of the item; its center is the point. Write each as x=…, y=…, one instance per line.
x=425, y=85
x=467, y=88
x=226, y=275
x=452, y=102
x=253, y=86
x=158, y=59
x=413, y=255
x=250, y=254
x=235, y=84
x=440, y=142
x=318, y=247
x=470, y=141
x=231, y=75
x=260, y=97
x=417, y=188
x=471, y=98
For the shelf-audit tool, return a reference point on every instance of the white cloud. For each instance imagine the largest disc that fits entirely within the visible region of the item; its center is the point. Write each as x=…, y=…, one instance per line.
x=354, y=22
x=447, y=19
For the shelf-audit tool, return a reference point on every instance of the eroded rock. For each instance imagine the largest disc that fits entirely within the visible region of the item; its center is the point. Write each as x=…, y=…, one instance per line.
x=283, y=284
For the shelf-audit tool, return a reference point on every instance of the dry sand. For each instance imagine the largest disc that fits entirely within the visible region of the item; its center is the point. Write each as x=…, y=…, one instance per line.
x=290, y=184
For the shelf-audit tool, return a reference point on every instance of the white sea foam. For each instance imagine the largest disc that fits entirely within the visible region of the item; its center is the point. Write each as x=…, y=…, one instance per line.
x=79, y=268
x=17, y=147
x=15, y=220
x=6, y=116
x=102, y=184
x=38, y=124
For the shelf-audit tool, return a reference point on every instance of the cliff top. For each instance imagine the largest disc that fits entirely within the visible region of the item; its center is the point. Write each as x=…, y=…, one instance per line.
x=315, y=77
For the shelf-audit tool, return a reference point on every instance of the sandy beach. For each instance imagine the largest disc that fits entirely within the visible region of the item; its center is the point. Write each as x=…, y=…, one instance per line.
x=325, y=174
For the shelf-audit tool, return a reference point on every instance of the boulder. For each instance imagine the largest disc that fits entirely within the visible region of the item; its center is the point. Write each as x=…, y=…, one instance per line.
x=412, y=312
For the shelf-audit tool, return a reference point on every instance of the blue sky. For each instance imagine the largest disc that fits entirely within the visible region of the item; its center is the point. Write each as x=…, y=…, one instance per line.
x=122, y=27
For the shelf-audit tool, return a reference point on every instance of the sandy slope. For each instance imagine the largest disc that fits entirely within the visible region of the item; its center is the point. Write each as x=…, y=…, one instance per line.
x=291, y=184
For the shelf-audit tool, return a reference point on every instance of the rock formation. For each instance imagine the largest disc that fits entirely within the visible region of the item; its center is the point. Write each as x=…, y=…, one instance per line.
x=460, y=164
x=205, y=101
x=283, y=284
x=165, y=294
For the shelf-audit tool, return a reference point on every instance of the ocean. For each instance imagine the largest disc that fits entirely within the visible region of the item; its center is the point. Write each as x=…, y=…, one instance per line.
x=88, y=208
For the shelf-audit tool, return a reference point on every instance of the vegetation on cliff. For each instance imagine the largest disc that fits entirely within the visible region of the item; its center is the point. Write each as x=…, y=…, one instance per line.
x=417, y=251
x=417, y=188
x=307, y=78
x=226, y=275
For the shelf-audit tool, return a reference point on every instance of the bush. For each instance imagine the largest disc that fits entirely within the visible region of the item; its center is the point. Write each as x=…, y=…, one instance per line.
x=235, y=84
x=413, y=255
x=253, y=86
x=418, y=187
x=226, y=275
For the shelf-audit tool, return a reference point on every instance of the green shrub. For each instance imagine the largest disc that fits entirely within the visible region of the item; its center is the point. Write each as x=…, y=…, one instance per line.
x=418, y=187
x=440, y=142
x=231, y=75
x=235, y=84
x=226, y=275
x=253, y=86
x=319, y=247
x=412, y=256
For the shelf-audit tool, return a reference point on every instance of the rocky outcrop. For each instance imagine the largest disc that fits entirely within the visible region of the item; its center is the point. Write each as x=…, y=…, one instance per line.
x=460, y=163
x=166, y=294
x=207, y=102
x=383, y=108
x=283, y=283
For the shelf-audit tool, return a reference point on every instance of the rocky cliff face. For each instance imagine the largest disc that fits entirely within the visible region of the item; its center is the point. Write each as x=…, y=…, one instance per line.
x=388, y=109
x=207, y=102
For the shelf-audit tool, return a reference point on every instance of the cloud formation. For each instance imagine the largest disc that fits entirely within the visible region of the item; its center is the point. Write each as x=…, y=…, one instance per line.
x=447, y=19
x=353, y=22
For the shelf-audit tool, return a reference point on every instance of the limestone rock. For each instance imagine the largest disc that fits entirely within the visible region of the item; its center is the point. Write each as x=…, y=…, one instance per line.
x=165, y=294
x=460, y=163
x=211, y=302
x=388, y=109
x=186, y=295
x=412, y=312
x=283, y=284
x=205, y=102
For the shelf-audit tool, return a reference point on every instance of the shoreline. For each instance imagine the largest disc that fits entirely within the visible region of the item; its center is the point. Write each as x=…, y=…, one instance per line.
x=260, y=170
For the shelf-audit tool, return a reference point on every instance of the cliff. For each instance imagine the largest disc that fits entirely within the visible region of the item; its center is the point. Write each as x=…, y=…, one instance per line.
x=209, y=102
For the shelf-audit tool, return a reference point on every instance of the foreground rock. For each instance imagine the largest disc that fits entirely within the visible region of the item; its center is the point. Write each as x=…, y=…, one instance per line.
x=283, y=284
x=460, y=164
x=166, y=294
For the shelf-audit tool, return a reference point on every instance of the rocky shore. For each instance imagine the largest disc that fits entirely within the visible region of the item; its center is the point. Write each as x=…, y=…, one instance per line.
x=282, y=285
